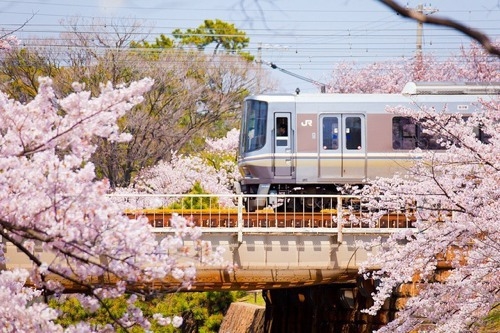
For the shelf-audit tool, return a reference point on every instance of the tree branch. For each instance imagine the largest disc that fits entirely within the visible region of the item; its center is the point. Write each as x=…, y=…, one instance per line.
x=445, y=22
x=18, y=28
x=89, y=288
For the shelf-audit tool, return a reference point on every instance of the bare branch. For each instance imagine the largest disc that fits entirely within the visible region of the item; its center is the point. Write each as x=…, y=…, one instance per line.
x=441, y=21
x=18, y=28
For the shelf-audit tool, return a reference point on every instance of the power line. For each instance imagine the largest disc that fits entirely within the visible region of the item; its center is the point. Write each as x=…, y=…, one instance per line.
x=314, y=45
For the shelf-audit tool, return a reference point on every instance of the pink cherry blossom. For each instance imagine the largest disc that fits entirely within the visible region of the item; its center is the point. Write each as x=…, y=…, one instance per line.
x=183, y=172
x=469, y=64
x=456, y=195
x=50, y=198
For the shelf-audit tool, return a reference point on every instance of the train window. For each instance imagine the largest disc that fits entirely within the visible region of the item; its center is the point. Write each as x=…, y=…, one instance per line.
x=408, y=134
x=330, y=133
x=253, y=135
x=353, y=133
x=404, y=133
x=481, y=135
x=281, y=126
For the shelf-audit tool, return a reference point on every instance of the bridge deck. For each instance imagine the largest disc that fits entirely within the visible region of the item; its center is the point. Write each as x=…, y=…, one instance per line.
x=268, y=248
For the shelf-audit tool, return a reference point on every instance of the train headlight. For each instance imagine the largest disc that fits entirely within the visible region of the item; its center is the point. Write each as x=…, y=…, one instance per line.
x=244, y=171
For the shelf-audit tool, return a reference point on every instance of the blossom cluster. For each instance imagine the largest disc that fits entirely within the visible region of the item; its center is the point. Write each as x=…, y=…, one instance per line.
x=50, y=200
x=455, y=196
x=183, y=173
x=470, y=64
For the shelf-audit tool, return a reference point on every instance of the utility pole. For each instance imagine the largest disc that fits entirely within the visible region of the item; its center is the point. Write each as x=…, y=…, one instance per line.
x=259, y=66
x=418, y=67
x=425, y=10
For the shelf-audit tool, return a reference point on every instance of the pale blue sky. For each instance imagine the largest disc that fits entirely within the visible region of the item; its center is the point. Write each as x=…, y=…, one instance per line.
x=304, y=37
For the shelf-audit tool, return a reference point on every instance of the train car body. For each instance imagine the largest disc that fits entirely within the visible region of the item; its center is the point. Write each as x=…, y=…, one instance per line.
x=312, y=143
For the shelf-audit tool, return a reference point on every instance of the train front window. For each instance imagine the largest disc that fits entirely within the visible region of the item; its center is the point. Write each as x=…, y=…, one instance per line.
x=253, y=131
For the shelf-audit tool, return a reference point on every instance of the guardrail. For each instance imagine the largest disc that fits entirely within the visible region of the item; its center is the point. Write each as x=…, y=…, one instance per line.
x=283, y=213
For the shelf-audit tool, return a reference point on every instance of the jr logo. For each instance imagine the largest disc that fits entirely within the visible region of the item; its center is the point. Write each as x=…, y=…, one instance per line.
x=307, y=122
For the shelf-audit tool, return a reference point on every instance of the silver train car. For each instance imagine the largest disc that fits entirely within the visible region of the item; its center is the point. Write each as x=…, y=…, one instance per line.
x=314, y=143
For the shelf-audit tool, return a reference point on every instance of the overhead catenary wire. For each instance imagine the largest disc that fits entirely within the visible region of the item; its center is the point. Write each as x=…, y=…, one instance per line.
x=313, y=49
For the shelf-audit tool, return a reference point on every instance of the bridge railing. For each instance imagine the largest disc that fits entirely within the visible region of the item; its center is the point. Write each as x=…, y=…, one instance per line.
x=282, y=213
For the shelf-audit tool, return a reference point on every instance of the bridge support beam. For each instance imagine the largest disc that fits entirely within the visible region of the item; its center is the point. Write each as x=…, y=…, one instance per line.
x=323, y=308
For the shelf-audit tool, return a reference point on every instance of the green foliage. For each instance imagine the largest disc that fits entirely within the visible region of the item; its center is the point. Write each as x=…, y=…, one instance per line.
x=204, y=311
x=247, y=56
x=254, y=297
x=19, y=72
x=73, y=312
x=196, y=202
x=212, y=324
x=492, y=321
x=224, y=35
x=162, y=42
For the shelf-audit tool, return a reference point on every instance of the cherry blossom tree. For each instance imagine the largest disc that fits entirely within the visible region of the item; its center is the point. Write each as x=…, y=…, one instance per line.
x=469, y=64
x=50, y=199
x=213, y=171
x=7, y=42
x=456, y=199
x=195, y=94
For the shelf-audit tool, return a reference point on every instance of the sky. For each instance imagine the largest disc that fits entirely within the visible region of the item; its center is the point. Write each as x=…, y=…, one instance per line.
x=307, y=38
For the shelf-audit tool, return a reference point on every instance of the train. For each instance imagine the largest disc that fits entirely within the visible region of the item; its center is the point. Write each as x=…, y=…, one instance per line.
x=315, y=143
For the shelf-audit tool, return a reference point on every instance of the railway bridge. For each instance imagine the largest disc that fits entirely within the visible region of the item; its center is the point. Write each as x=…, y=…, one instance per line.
x=269, y=248
x=301, y=251
x=274, y=247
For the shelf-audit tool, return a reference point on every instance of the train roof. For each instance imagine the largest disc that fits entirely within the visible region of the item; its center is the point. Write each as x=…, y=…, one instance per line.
x=413, y=91
x=447, y=88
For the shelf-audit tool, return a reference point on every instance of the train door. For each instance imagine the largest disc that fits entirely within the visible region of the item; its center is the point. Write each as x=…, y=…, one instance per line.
x=342, y=148
x=282, y=145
